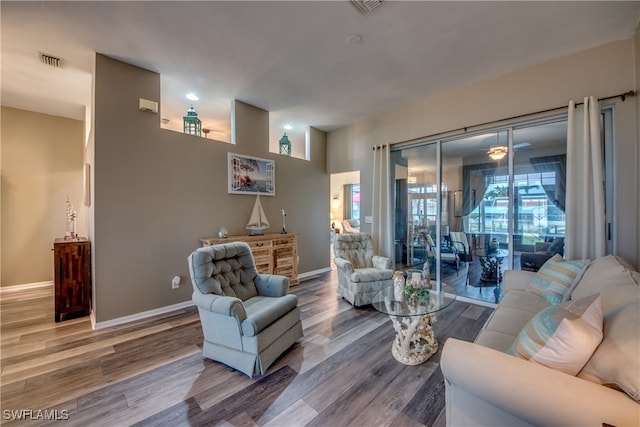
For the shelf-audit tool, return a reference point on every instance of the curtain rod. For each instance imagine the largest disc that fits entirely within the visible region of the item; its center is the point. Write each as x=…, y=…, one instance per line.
x=622, y=96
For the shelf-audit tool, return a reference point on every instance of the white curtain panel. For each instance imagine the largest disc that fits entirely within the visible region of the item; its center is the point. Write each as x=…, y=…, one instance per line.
x=585, y=215
x=381, y=233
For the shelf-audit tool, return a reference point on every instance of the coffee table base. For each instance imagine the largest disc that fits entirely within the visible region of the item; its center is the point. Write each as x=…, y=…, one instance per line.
x=415, y=341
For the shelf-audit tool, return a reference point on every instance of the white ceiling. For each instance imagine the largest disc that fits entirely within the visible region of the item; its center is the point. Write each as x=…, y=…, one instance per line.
x=291, y=58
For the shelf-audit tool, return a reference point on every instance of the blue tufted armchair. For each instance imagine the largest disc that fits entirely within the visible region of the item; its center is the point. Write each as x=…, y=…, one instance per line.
x=361, y=273
x=248, y=319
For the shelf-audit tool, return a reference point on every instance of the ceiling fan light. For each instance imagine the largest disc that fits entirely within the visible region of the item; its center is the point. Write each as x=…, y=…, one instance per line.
x=498, y=152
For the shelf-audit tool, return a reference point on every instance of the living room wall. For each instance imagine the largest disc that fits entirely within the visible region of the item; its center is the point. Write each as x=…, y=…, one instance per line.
x=42, y=164
x=157, y=192
x=602, y=71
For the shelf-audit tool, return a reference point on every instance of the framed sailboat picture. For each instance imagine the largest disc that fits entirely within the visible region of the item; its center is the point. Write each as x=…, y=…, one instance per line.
x=251, y=175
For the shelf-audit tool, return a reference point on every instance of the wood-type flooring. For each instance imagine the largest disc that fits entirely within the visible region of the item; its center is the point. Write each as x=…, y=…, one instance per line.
x=151, y=372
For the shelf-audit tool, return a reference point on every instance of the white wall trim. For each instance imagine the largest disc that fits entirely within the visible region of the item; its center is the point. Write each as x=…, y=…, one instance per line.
x=162, y=310
x=311, y=274
x=138, y=316
x=25, y=287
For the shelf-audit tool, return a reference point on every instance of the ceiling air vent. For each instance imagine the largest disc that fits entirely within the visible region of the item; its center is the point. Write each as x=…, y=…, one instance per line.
x=51, y=61
x=365, y=7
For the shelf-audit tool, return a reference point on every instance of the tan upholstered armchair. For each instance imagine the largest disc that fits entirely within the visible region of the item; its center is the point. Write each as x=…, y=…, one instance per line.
x=248, y=319
x=361, y=273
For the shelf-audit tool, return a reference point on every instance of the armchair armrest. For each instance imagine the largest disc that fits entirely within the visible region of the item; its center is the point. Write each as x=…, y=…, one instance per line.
x=381, y=262
x=344, y=265
x=526, y=391
x=227, y=306
x=270, y=285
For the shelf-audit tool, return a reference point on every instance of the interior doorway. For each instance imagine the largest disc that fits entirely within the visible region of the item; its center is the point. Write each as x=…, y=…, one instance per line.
x=345, y=204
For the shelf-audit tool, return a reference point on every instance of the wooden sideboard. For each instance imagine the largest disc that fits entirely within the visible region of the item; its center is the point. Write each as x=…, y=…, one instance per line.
x=273, y=253
x=72, y=269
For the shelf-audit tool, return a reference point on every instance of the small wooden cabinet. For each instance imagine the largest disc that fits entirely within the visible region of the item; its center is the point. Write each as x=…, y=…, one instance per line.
x=72, y=269
x=273, y=253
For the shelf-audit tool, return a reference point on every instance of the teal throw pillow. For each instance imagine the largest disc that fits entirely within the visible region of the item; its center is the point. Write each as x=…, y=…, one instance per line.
x=556, y=277
x=562, y=337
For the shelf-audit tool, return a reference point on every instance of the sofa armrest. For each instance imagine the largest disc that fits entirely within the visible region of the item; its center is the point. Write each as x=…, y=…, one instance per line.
x=381, y=262
x=228, y=306
x=516, y=279
x=526, y=391
x=271, y=285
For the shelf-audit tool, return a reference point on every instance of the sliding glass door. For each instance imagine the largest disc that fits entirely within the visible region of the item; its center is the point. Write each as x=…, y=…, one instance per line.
x=470, y=207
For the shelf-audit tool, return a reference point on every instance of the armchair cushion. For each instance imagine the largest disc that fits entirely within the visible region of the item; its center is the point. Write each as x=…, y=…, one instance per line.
x=370, y=275
x=381, y=262
x=356, y=248
x=263, y=311
x=227, y=269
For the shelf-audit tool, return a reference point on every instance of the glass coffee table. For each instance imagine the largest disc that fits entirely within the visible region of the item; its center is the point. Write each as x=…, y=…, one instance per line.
x=415, y=340
x=491, y=262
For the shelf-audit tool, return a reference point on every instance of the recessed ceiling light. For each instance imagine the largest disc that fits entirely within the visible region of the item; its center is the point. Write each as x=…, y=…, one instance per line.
x=192, y=97
x=354, y=38
x=288, y=127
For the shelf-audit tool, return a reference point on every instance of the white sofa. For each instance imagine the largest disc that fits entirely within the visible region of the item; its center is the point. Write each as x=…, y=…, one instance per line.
x=487, y=387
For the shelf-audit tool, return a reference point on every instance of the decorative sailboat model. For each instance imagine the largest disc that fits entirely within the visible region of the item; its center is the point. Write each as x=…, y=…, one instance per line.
x=258, y=220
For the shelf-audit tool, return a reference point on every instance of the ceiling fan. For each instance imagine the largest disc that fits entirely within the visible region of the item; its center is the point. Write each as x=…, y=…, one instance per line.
x=499, y=152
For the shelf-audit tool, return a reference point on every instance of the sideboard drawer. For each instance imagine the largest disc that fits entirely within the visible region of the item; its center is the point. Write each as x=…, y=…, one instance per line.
x=284, y=241
x=260, y=244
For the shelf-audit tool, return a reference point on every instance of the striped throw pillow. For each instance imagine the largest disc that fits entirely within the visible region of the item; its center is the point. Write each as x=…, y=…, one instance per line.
x=556, y=277
x=563, y=336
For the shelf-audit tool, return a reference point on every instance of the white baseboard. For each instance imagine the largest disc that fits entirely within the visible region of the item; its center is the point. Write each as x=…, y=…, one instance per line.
x=25, y=287
x=311, y=274
x=476, y=301
x=138, y=316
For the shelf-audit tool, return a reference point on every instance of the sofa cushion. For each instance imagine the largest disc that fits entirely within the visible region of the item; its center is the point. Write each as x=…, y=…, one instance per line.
x=563, y=336
x=614, y=279
x=556, y=277
x=616, y=362
x=516, y=308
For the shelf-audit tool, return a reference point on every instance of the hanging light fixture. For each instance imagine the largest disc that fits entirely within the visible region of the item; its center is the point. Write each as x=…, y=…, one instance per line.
x=285, y=145
x=192, y=123
x=498, y=152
